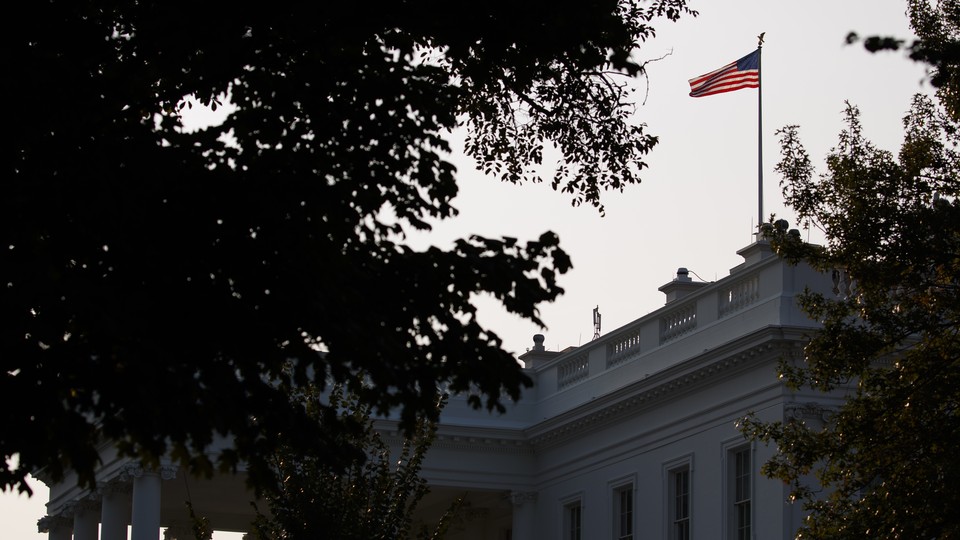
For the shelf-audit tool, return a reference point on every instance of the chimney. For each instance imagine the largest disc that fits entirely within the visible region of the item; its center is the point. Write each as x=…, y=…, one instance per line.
x=681, y=286
x=538, y=355
x=761, y=249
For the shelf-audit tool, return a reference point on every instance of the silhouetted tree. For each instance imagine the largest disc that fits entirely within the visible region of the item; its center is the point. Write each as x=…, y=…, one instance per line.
x=154, y=281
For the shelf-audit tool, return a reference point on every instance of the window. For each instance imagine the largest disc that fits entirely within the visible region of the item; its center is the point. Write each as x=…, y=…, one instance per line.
x=573, y=516
x=623, y=512
x=621, y=503
x=678, y=499
x=680, y=504
x=741, y=493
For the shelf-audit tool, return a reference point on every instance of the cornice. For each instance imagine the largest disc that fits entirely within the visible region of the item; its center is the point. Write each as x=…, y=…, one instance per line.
x=763, y=345
x=512, y=445
x=737, y=273
x=466, y=438
x=696, y=372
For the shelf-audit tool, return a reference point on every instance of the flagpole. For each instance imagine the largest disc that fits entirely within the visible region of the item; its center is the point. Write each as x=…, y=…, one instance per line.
x=735, y=76
x=760, y=220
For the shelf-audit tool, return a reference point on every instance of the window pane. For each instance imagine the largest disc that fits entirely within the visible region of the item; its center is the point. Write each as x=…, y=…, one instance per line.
x=743, y=521
x=573, y=516
x=681, y=505
x=682, y=494
x=624, y=497
x=742, y=475
x=742, y=490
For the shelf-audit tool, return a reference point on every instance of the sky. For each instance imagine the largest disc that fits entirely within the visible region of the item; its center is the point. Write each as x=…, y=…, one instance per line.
x=697, y=204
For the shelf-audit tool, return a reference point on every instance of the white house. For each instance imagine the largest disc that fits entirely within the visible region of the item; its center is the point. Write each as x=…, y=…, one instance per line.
x=631, y=436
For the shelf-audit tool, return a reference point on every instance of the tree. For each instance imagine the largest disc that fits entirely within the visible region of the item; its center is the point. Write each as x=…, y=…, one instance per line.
x=369, y=499
x=155, y=281
x=883, y=466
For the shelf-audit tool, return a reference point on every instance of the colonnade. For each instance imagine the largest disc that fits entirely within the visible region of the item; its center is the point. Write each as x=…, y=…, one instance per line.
x=132, y=498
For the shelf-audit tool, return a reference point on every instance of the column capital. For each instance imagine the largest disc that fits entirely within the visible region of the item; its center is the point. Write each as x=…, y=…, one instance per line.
x=85, y=503
x=48, y=524
x=519, y=498
x=133, y=469
x=168, y=471
x=120, y=485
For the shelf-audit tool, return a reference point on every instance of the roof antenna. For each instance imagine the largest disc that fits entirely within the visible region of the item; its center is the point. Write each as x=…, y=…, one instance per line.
x=596, y=322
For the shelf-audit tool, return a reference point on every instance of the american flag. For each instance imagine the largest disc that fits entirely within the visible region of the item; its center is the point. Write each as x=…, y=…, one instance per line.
x=744, y=73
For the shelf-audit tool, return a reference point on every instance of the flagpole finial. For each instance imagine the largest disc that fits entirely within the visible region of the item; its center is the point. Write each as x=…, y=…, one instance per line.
x=760, y=39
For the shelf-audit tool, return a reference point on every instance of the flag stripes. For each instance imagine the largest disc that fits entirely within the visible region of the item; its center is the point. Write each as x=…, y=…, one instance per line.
x=744, y=73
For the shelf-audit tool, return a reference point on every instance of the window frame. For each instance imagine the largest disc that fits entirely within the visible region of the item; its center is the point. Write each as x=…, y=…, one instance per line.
x=739, y=489
x=671, y=469
x=624, y=486
x=569, y=504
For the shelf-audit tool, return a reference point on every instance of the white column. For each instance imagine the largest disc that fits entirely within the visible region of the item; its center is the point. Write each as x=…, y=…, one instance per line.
x=524, y=514
x=56, y=527
x=86, y=516
x=114, y=510
x=145, y=509
x=145, y=515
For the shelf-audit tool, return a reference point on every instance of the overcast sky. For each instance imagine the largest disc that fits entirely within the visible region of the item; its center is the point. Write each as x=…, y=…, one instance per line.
x=698, y=203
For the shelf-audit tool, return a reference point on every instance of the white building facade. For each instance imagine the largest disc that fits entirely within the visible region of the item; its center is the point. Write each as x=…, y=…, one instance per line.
x=631, y=436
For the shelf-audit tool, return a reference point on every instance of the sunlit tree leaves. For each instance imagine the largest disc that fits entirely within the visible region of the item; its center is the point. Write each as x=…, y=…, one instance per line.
x=883, y=465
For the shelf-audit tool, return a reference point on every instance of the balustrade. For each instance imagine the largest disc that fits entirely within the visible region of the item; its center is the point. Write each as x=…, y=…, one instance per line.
x=702, y=309
x=622, y=346
x=573, y=371
x=739, y=295
x=678, y=322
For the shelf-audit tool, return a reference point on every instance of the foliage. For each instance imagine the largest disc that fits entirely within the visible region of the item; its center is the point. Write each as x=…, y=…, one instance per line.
x=155, y=280
x=369, y=499
x=199, y=525
x=937, y=26
x=884, y=465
